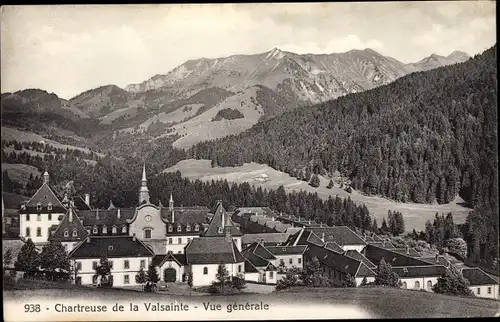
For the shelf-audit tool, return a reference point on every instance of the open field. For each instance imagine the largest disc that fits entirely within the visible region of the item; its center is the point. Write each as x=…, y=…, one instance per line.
x=20, y=172
x=415, y=215
x=304, y=303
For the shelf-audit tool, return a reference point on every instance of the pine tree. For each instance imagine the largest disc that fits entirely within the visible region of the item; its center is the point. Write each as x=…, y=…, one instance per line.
x=104, y=268
x=140, y=277
x=383, y=228
x=375, y=229
x=312, y=274
x=364, y=282
x=28, y=259
x=330, y=184
x=54, y=257
x=152, y=274
x=222, y=277
x=452, y=283
x=349, y=281
x=314, y=181
x=385, y=275
x=7, y=259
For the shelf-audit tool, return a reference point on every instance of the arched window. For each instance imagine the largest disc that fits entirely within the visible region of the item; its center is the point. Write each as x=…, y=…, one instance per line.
x=39, y=206
x=124, y=229
x=429, y=285
x=113, y=230
x=417, y=285
x=169, y=228
x=196, y=227
x=38, y=232
x=66, y=233
x=404, y=285
x=179, y=228
x=49, y=207
x=94, y=230
x=220, y=230
x=205, y=271
x=104, y=229
x=239, y=268
x=75, y=233
x=188, y=228
x=28, y=232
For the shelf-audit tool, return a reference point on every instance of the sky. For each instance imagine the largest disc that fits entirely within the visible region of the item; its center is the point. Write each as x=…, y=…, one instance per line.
x=68, y=49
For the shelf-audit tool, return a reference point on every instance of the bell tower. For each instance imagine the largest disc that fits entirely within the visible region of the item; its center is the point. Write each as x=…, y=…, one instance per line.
x=144, y=191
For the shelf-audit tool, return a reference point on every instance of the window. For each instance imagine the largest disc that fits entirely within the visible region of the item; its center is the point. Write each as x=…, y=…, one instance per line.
x=75, y=233
x=169, y=228
x=489, y=289
x=417, y=285
x=94, y=231
x=179, y=252
x=110, y=247
x=299, y=260
x=179, y=240
x=196, y=227
x=88, y=231
x=143, y=263
x=126, y=279
x=188, y=240
x=478, y=290
x=170, y=241
x=220, y=230
x=78, y=265
x=111, y=264
x=94, y=279
x=290, y=261
x=38, y=206
x=38, y=232
x=104, y=230
x=50, y=215
x=205, y=271
x=66, y=233
x=147, y=233
x=49, y=233
x=179, y=228
x=28, y=232
x=38, y=217
x=239, y=268
x=404, y=285
x=94, y=265
x=126, y=264
x=113, y=230
x=282, y=262
x=49, y=206
x=66, y=247
x=124, y=229
x=188, y=228
x=429, y=285
x=271, y=274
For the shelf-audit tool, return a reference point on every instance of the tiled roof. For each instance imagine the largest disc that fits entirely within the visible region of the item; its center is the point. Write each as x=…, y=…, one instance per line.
x=477, y=276
x=249, y=268
x=339, y=262
x=419, y=271
x=112, y=246
x=256, y=260
x=275, y=238
x=69, y=225
x=79, y=203
x=186, y=215
x=286, y=250
x=342, y=235
x=109, y=218
x=293, y=230
x=365, y=271
x=382, y=244
x=334, y=247
x=44, y=196
x=282, y=227
x=271, y=223
x=220, y=214
x=212, y=250
x=259, y=250
x=158, y=260
x=360, y=257
x=259, y=210
x=375, y=254
x=410, y=252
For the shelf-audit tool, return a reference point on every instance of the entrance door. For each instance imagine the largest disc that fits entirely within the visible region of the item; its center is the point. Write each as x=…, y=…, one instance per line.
x=169, y=275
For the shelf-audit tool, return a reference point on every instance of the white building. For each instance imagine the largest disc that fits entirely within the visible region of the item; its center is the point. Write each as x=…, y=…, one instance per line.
x=480, y=283
x=419, y=277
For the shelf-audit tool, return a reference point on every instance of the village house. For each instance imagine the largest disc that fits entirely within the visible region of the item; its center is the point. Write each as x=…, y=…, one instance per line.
x=480, y=283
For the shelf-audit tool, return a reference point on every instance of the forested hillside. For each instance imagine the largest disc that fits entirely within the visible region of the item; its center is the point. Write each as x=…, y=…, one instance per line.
x=426, y=137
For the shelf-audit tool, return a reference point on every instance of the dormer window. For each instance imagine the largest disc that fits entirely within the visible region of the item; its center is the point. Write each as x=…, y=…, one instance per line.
x=39, y=206
x=23, y=207
x=104, y=229
x=88, y=231
x=94, y=231
x=75, y=233
x=197, y=228
x=66, y=233
x=220, y=230
x=49, y=206
x=179, y=228
x=188, y=228
x=124, y=229
x=169, y=228
x=113, y=230
x=405, y=270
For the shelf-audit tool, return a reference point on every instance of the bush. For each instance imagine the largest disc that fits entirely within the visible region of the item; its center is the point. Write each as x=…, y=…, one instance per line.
x=9, y=282
x=452, y=283
x=349, y=281
x=291, y=279
x=239, y=283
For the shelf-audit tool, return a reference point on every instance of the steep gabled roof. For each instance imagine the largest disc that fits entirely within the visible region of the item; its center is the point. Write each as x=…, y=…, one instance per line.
x=261, y=251
x=220, y=219
x=269, y=238
x=44, y=196
x=112, y=246
x=212, y=250
x=286, y=250
x=360, y=257
x=477, y=276
x=365, y=271
x=186, y=215
x=342, y=235
x=106, y=217
x=375, y=255
x=334, y=247
x=336, y=261
x=69, y=224
x=79, y=203
x=419, y=271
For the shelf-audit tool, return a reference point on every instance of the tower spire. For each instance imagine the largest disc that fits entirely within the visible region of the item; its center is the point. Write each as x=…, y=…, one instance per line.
x=46, y=177
x=144, y=191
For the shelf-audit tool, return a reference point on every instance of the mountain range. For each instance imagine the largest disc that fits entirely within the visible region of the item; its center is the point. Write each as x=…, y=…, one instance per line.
x=191, y=96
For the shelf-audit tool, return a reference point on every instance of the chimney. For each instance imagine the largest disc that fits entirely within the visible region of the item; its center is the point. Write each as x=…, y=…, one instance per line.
x=88, y=239
x=87, y=199
x=407, y=249
x=133, y=237
x=262, y=241
x=118, y=213
x=323, y=237
x=97, y=214
x=70, y=214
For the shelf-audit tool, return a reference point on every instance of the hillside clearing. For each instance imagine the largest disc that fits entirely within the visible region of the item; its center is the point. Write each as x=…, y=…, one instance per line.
x=415, y=214
x=20, y=172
